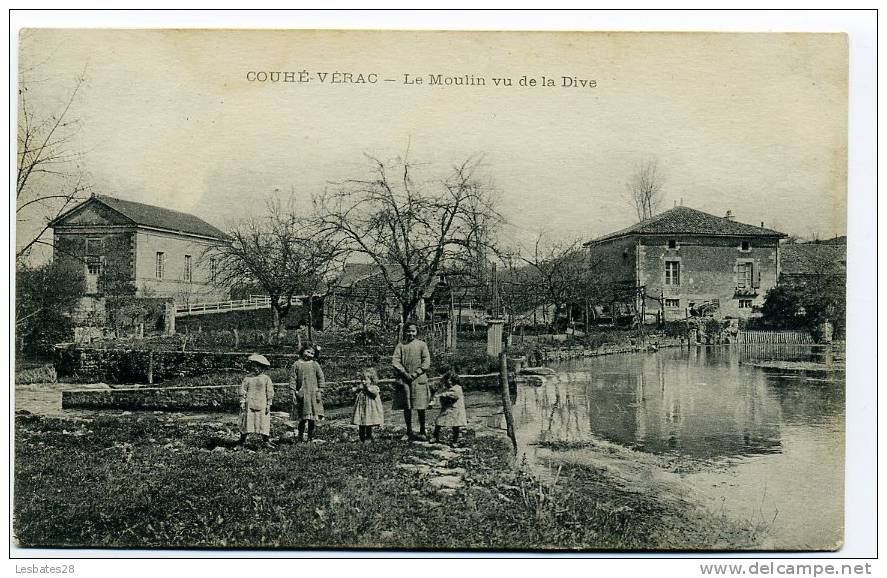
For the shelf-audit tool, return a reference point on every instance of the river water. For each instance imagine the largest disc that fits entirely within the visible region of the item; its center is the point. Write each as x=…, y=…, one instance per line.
x=755, y=432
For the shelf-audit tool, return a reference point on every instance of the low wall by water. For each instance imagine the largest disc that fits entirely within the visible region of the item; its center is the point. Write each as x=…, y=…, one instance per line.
x=84, y=364
x=546, y=353
x=227, y=397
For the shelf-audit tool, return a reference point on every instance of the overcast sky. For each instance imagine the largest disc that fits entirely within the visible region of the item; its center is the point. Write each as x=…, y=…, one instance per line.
x=751, y=123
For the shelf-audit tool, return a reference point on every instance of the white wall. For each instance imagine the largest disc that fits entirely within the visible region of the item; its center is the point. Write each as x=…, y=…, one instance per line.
x=173, y=284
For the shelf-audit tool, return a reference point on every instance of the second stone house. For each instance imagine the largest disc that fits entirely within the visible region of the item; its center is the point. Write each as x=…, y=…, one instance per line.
x=137, y=261
x=683, y=261
x=159, y=252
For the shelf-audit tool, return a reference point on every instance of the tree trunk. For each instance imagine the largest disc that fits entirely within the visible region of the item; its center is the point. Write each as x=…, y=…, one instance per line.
x=275, y=316
x=311, y=317
x=363, y=317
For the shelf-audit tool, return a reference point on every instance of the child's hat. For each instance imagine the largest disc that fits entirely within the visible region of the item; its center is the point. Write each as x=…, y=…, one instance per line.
x=260, y=359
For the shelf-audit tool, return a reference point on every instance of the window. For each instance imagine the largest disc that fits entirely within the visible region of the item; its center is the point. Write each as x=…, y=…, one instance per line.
x=94, y=267
x=744, y=275
x=672, y=302
x=672, y=272
x=94, y=246
x=186, y=272
x=672, y=244
x=745, y=303
x=158, y=266
x=93, y=273
x=212, y=269
x=745, y=246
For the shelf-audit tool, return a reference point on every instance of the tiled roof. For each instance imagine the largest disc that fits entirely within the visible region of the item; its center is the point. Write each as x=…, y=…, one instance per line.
x=357, y=272
x=684, y=220
x=813, y=259
x=151, y=216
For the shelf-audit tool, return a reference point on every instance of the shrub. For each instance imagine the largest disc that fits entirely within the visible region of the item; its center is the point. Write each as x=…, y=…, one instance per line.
x=712, y=327
x=43, y=374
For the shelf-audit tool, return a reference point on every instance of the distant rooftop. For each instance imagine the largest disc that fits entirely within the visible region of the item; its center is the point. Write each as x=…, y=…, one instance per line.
x=357, y=272
x=825, y=258
x=152, y=216
x=684, y=220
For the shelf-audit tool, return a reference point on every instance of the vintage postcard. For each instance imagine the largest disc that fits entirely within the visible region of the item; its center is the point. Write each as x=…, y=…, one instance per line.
x=461, y=291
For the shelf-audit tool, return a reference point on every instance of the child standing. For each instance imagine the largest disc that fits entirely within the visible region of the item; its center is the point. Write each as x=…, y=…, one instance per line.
x=306, y=384
x=368, y=411
x=452, y=406
x=256, y=395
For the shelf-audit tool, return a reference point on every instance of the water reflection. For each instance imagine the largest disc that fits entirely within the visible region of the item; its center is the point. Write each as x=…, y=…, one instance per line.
x=768, y=436
x=706, y=403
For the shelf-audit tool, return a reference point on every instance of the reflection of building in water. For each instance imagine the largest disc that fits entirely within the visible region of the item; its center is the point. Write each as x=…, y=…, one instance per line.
x=709, y=406
x=555, y=411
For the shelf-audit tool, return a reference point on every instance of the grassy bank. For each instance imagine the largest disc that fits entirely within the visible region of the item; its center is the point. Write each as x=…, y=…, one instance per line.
x=165, y=480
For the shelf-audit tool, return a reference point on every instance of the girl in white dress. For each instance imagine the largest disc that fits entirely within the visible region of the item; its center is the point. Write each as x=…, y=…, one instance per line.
x=256, y=395
x=368, y=411
x=452, y=407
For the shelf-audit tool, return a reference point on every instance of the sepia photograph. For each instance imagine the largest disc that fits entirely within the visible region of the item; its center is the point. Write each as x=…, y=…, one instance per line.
x=432, y=291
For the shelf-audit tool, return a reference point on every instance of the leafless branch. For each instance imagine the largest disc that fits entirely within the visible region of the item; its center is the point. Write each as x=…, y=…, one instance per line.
x=644, y=189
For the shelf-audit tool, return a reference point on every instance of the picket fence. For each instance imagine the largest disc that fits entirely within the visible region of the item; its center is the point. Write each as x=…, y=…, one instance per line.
x=254, y=302
x=775, y=337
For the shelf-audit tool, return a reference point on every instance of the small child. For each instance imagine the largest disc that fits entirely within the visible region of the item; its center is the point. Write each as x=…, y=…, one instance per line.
x=306, y=386
x=452, y=406
x=256, y=395
x=368, y=411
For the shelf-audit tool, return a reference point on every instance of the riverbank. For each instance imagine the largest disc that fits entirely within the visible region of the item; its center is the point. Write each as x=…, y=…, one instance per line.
x=171, y=480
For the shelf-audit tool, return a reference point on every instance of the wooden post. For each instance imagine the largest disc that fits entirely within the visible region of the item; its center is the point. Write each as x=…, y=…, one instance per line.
x=151, y=366
x=494, y=337
x=169, y=318
x=506, y=399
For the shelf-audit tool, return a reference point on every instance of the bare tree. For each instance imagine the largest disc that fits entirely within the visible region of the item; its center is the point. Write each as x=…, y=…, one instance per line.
x=281, y=251
x=558, y=269
x=412, y=230
x=644, y=189
x=49, y=179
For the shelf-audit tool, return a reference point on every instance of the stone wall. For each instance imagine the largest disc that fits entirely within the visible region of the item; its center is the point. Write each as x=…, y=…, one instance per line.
x=708, y=272
x=557, y=353
x=115, y=251
x=227, y=397
x=174, y=282
x=85, y=365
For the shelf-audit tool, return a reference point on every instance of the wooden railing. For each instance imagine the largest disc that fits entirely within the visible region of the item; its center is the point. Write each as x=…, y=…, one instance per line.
x=252, y=303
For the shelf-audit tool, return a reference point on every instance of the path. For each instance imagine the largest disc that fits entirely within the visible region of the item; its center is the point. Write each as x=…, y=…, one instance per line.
x=432, y=461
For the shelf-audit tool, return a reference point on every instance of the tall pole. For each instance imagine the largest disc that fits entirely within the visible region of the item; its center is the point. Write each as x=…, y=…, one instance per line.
x=495, y=290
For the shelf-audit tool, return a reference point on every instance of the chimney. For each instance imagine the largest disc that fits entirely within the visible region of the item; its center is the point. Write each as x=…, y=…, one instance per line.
x=729, y=215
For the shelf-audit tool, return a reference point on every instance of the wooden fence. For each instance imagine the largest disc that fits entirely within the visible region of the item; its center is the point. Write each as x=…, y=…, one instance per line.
x=771, y=337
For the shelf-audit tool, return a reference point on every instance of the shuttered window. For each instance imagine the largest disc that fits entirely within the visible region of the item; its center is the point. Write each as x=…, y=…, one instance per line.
x=744, y=275
x=672, y=272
